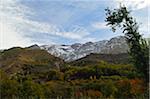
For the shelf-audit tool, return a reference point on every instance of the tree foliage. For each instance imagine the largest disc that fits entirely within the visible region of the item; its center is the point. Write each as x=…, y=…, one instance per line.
x=138, y=46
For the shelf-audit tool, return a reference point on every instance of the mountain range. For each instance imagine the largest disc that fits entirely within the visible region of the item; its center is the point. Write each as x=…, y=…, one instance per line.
x=76, y=51
x=40, y=59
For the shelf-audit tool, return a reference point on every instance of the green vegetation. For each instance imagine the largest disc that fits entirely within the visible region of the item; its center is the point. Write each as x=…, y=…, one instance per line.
x=103, y=80
x=38, y=61
x=121, y=58
x=139, y=50
x=45, y=81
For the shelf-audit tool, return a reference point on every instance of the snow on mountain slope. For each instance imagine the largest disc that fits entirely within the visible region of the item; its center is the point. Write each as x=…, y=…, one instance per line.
x=77, y=50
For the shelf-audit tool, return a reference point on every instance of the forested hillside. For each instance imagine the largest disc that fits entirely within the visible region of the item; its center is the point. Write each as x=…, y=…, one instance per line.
x=34, y=73
x=121, y=58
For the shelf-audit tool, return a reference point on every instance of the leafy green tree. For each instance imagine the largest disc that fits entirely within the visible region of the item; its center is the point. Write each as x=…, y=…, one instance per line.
x=138, y=46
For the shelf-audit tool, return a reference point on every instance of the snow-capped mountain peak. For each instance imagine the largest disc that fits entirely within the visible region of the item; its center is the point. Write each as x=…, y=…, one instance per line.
x=77, y=50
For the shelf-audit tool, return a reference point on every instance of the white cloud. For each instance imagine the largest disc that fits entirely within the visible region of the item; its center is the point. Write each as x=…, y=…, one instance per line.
x=9, y=11
x=76, y=33
x=100, y=25
x=135, y=4
x=15, y=23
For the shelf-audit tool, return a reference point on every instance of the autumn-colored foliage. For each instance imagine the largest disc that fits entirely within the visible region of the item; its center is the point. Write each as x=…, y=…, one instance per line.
x=30, y=76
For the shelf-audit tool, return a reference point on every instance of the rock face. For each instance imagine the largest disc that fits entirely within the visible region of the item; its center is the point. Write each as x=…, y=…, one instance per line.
x=115, y=45
x=75, y=51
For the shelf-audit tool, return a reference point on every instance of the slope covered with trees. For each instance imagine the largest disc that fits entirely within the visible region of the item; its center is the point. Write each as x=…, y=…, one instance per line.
x=34, y=73
x=122, y=58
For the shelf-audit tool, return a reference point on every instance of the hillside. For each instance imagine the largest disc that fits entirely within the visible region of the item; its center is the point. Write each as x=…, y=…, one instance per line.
x=34, y=73
x=93, y=59
x=16, y=59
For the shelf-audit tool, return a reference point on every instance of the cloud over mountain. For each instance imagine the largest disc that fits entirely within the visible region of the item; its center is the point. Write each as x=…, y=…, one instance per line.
x=23, y=23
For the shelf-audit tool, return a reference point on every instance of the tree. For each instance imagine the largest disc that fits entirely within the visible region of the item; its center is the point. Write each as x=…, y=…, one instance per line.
x=138, y=47
x=31, y=90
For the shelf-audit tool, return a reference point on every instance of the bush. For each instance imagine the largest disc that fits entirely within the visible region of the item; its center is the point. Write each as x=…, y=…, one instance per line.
x=54, y=89
x=130, y=88
x=9, y=88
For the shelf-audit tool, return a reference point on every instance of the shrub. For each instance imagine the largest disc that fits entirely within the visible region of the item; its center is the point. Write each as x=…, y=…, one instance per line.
x=130, y=88
x=54, y=75
x=54, y=89
x=9, y=88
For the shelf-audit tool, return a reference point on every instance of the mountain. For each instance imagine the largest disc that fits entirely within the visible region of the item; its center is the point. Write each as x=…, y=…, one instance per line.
x=76, y=51
x=35, y=46
x=16, y=59
x=39, y=64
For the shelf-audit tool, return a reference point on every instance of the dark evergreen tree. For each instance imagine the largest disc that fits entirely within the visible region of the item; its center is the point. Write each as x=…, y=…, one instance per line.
x=138, y=46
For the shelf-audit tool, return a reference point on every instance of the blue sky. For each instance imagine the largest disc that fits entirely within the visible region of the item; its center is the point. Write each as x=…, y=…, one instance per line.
x=27, y=22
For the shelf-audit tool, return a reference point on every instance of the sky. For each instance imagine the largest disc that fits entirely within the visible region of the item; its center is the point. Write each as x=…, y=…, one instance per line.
x=45, y=22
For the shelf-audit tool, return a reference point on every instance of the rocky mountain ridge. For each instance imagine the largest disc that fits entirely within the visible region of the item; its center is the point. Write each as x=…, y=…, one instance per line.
x=76, y=51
